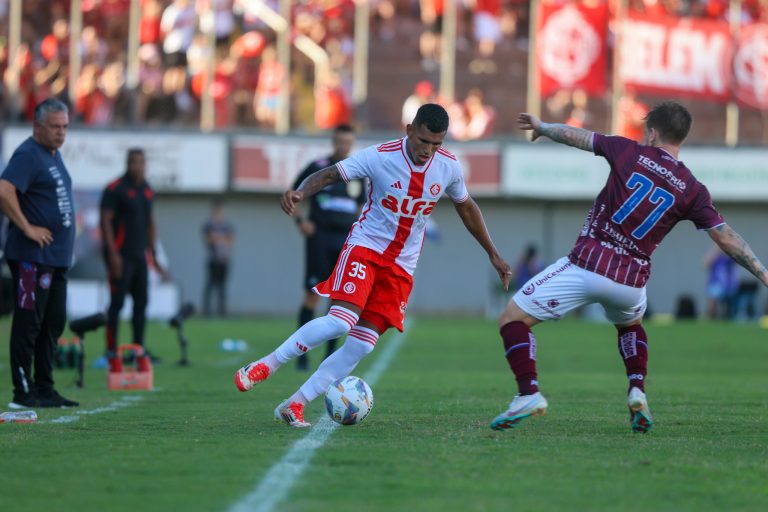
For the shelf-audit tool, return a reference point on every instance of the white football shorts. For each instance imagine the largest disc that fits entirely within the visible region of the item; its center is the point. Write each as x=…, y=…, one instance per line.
x=563, y=286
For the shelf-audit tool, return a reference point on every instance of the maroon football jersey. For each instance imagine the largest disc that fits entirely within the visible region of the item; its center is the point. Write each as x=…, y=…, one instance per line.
x=648, y=191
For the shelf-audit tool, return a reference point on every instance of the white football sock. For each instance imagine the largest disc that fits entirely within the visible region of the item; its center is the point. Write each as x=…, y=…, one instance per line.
x=360, y=342
x=335, y=324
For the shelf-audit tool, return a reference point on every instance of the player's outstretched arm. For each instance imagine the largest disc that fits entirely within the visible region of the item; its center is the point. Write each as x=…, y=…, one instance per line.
x=312, y=185
x=562, y=133
x=737, y=248
x=473, y=220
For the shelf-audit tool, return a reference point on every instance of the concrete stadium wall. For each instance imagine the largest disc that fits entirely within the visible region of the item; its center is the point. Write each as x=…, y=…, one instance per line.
x=453, y=275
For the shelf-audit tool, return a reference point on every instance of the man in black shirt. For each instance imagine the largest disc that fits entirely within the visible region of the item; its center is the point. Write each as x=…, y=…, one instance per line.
x=36, y=195
x=331, y=214
x=128, y=232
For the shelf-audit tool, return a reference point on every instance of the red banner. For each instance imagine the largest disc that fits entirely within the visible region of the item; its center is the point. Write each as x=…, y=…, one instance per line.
x=677, y=56
x=571, y=48
x=750, y=66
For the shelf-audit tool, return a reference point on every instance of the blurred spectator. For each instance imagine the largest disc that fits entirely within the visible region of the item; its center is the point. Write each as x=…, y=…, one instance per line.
x=471, y=119
x=527, y=266
x=429, y=42
x=424, y=92
x=219, y=238
x=177, y=28
x=332, y=108
x=93, y=50
x=632, y=114
x=149, y=24
x=384, y=19
x=721, y=283
x=55, y=46
x=267, y=99
x=487, y=31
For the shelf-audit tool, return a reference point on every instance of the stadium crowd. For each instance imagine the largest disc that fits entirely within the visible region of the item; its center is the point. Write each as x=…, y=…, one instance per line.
x=173, y=58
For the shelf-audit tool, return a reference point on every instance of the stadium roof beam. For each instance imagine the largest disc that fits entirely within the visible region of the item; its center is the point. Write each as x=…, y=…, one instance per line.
x=75, y=61
x=448, y=52
x=132, y=64
x=617, y=85
x=360, y=59
x=732, y=109
x=207, y=110
x=14, y=42
x=533, y=97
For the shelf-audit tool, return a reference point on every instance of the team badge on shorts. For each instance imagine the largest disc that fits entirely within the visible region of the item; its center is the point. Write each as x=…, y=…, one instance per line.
x=435, y=189
x=45, y=281
x=529, y=289
x=349, y=288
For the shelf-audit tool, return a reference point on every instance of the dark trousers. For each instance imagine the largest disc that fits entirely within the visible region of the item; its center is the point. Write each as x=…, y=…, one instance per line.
x=39, y=315
x=216, y=281
x=134, y=280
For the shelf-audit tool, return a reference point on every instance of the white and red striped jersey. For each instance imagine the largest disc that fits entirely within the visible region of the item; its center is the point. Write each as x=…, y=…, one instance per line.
x=401, y=196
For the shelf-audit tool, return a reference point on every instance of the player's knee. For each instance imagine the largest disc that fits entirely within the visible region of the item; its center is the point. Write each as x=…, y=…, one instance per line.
x=342, y=319
x=513, y=313
x=361, y=348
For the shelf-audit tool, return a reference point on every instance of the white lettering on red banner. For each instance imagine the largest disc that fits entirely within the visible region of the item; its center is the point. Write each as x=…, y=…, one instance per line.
x=676, y=56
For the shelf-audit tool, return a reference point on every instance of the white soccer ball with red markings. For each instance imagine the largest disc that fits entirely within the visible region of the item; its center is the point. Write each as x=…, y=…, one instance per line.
x=349, y=400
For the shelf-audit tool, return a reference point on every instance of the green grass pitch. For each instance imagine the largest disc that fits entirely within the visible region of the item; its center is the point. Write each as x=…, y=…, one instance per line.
x=196, y=444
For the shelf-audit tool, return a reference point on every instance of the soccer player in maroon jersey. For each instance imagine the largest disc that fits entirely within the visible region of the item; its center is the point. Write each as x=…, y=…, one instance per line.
x=648, y=191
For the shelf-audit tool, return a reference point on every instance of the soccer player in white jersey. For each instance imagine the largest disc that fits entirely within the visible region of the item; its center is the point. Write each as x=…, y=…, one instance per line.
x=648, y=191
x=370, y=285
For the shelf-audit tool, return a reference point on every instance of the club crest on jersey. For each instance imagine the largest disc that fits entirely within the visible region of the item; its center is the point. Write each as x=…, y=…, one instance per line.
x=435, y=189
x=349, y=288
x=408, y=206
x=45, y=281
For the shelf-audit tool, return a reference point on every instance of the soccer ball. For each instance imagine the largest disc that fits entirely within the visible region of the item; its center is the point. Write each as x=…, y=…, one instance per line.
x=349, y=400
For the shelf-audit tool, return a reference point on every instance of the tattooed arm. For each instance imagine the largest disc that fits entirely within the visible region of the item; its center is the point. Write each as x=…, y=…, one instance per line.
x=312, y=185
x=737, y=248
x=562, y=133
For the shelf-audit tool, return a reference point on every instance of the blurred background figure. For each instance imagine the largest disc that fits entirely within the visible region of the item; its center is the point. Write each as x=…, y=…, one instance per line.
x=429, y=42
x=219, y=237
x=471, y=119
x=632, y=114
x=129, y=236
x=487, y=31
x=424, y=92
x=722, y=284
x=527, y=266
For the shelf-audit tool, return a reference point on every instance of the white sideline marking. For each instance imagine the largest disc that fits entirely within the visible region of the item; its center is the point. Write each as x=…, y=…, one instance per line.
x=114, y=406
x=283, y=475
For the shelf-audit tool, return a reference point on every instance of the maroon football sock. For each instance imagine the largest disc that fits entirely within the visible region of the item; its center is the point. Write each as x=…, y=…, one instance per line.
x=633, y=347
x=520, y=350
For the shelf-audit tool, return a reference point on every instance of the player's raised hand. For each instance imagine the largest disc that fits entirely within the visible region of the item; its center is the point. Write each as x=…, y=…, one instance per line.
x=504, y=270
x=289, y=201
x=529, y=122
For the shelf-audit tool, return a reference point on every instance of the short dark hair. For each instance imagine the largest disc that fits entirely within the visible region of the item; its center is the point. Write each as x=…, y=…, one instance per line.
x=132, y=152
x=671, y=120
x=433, y=116
x=344, y=128
x=49, y=105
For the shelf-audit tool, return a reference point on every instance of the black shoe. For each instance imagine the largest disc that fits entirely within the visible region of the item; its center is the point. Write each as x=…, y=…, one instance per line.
x=23, y=401
x=54, y=399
